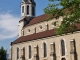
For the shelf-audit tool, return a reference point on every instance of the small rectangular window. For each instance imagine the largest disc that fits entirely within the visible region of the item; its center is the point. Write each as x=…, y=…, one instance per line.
x=72, y=45
x=63, y=47
x=28, y=10
x=17, y=53
x=33, y=10
x=45, y=49
x=22, y=9
x=30, y=52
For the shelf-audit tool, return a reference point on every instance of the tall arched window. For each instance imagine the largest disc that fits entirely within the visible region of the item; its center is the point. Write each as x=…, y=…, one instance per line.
x=33, y=11
x=24, y=52
x=44, y=49
x=28, y=10
x=63, y=47
x=17, y=53
x=22, y=9
x=29, y=52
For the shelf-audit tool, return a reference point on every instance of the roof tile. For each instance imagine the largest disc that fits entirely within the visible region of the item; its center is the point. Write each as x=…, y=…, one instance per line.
x=40, y=35
x=35, y=36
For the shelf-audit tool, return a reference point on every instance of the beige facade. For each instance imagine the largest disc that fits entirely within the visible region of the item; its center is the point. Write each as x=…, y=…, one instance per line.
x=49, y=40
x=34, y=44
x=46, y=25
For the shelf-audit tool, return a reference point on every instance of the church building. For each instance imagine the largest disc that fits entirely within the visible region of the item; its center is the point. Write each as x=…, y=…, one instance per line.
x=37, y=39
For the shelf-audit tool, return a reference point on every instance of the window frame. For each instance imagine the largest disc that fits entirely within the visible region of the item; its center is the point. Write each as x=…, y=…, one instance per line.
x=44, y=50
x=22, y=9
x=63, y=47
x=29, y=52
x=17, y=53
x=27, y=9
x=33, y=10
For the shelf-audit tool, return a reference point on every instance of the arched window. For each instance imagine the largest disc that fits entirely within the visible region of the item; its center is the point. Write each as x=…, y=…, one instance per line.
x=63, y=59
x=44, y=49
x=24, y=52
x=35, y=30
x=22, y=32
x=63, y=47
x=29, y=52
x=22, y=9
x=28, y=10
x=47, y=27
x=17, y=53
x=33, y=11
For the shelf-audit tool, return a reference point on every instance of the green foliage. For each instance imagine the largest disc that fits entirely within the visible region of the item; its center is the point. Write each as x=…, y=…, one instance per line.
x=2, y=54
x=70, y=11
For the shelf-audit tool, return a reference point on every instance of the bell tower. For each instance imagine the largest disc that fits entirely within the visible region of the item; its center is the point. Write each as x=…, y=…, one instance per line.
x=27, y=14
x=28, y=9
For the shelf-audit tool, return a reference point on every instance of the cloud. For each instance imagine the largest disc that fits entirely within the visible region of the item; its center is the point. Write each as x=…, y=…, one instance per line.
x=8, y=26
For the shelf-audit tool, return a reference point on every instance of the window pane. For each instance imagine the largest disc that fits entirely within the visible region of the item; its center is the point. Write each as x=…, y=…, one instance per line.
x=24, y=52
x=17, y=53
x=29, y=52
x=45, y=50
x=27, y=10
x=22, y=9
x=33, y=11
x=63, y=47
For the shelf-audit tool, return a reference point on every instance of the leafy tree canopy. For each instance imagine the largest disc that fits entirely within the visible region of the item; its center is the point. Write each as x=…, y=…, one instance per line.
x=70, y=11
x=2, y=54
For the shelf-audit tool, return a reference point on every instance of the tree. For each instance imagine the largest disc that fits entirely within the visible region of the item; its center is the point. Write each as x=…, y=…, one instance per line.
x=70, y=11
x=2, y=54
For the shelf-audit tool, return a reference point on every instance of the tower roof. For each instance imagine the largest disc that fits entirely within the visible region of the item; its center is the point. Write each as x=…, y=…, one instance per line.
x=29, y=2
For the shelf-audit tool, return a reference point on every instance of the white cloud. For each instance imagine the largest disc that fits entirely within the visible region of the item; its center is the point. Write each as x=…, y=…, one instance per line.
x=8, y=26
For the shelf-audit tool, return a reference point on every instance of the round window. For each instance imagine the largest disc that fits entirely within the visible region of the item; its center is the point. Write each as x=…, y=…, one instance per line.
x=40, y=27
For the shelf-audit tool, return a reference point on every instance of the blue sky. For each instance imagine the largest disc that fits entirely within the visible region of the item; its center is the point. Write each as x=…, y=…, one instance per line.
x=9, y=17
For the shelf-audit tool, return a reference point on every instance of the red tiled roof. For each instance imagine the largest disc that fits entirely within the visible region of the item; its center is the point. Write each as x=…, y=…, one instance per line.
x=38, y=19
x=35, y=36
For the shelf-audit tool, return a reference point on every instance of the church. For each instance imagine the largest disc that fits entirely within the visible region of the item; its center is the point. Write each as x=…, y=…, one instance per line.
x=37, y=39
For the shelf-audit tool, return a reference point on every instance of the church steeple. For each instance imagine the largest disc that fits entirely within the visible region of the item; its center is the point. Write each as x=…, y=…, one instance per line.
x=27, y=13
x=28, y=8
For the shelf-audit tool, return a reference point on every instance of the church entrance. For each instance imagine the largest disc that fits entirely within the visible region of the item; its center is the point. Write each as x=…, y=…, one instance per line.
x=63, y=59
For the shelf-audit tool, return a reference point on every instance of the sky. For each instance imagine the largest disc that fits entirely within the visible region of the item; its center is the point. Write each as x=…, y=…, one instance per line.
x=9, y=17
